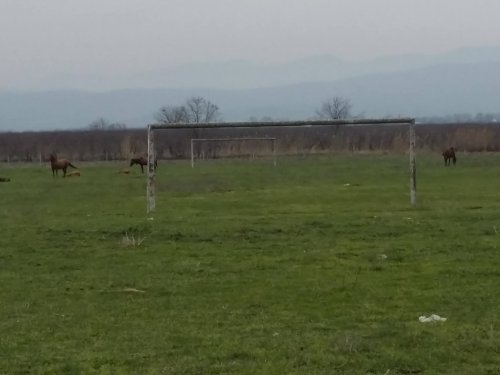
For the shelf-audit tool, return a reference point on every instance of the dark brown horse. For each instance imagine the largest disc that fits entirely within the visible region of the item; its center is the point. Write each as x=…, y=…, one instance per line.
x=448, y=156
x=57, y=164
x=142, y=162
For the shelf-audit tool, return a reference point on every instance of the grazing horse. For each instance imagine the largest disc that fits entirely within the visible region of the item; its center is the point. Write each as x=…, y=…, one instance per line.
x=448, y=156
x=57, y=164
x=142, y=162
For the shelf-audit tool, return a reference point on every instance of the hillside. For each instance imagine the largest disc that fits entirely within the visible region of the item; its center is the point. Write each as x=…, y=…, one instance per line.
x=435, y=90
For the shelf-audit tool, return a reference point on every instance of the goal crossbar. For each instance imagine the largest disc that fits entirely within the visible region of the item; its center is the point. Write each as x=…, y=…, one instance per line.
x=263, y=124
x=151, y=178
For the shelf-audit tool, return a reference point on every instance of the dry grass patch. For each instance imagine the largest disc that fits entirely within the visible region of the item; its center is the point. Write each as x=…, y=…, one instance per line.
x=129, y=241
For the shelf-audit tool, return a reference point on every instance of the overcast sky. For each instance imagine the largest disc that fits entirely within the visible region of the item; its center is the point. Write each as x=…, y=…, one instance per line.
x=47, y=38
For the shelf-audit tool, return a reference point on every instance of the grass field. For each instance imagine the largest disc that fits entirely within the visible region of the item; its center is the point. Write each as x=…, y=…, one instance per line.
x=316, y=266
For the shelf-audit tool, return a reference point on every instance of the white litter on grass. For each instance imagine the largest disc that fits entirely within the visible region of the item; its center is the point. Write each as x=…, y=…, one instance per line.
x=150, y=218
x=431, y=319
x=133, y=290
x=347, y=184
x=382, y=256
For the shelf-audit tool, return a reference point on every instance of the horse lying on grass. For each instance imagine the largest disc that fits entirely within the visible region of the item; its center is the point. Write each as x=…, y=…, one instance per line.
x=448, y=156
x=57, y=164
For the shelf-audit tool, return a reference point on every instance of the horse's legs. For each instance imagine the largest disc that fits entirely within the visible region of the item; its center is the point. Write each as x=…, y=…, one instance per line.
x=142, y=168
x=64, y=171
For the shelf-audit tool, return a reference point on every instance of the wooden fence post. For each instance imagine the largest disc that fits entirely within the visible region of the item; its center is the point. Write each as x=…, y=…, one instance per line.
x=192, y=153
x=273, y=146
x=413, y=167
x=151, y=204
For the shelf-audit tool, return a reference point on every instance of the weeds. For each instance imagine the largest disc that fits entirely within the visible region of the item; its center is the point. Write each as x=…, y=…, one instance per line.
x=131, y=241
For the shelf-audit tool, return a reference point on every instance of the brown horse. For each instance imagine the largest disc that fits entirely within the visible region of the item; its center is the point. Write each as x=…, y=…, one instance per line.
x=448, y=156
x=57, y=164
x=142, y=162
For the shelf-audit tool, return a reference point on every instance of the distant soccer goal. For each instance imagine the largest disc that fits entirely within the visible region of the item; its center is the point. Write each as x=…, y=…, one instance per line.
x=270, y=140
x=151, y=176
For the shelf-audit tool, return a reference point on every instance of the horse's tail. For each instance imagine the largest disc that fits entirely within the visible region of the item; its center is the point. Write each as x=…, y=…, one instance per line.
x=71, y=165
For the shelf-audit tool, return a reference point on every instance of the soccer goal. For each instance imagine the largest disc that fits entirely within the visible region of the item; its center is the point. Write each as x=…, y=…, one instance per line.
x=270, y=140
x=151, y=175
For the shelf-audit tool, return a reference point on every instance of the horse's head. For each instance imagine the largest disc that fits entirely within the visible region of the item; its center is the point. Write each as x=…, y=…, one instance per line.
x=52, y=157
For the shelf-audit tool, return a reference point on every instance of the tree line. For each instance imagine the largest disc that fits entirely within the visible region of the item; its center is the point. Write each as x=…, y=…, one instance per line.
x=104, y=140
x=122, y=144
x=198, y=109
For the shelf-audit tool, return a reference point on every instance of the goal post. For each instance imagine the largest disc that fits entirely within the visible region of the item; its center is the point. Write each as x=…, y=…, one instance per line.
x=151, y=183
x=245, y=139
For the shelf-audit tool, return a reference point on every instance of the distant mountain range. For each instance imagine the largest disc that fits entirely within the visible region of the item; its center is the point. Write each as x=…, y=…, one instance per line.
x=465, y=81
x=242, y=75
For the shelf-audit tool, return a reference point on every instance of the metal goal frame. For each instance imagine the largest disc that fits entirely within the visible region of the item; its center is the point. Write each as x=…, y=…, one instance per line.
x=151, y=175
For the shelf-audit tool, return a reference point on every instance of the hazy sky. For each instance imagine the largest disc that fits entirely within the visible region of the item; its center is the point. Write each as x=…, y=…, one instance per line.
x=68, y=38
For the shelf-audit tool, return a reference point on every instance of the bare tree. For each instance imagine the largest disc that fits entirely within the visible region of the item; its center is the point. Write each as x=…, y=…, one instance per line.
x=99, y=124
x=196, y=109
x=172, y=115
x=335, y=108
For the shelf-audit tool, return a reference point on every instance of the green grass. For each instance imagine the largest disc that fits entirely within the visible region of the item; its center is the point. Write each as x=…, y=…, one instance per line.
x=251, y=269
